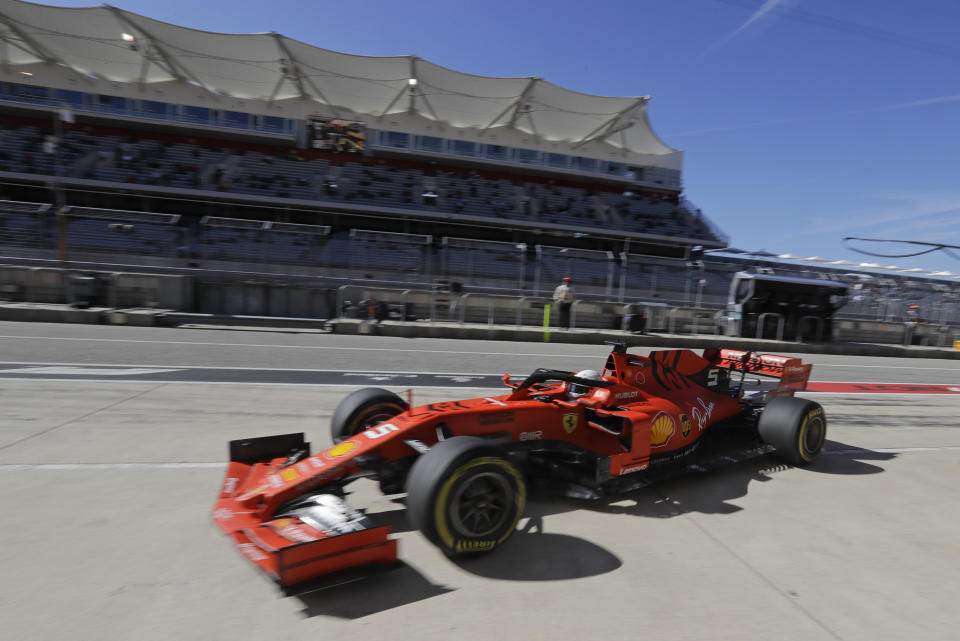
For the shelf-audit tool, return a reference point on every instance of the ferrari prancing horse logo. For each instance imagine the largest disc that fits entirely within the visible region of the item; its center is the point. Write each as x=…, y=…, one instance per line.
x=570, y=422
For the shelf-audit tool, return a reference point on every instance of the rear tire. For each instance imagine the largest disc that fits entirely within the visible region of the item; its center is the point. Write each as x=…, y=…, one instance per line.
x=465, y=496
x=795, y=427
x=364, y=409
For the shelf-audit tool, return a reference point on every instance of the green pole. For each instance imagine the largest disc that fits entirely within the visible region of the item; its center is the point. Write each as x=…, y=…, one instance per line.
x=546, y=323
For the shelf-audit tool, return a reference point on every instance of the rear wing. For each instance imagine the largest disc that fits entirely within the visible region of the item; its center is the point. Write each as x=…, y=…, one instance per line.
x=791, y=372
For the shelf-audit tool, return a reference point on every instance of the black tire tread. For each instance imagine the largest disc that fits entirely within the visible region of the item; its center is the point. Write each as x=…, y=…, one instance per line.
x=428, y=473
x=360, y=401
x=780, y=425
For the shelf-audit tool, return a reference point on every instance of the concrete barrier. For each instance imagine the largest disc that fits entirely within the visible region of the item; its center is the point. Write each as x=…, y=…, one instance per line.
x=40, y=293
x=47, y=313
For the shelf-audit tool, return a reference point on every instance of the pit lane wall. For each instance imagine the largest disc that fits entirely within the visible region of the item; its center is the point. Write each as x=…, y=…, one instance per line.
x=41, y=294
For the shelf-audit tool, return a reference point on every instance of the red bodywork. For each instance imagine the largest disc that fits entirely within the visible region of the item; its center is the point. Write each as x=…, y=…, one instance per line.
x=657, y=405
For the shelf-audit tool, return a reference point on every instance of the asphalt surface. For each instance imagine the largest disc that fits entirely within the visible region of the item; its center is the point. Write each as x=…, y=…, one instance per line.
x=108, y=473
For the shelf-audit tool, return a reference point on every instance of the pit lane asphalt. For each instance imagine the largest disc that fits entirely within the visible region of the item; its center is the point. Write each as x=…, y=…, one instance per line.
x=314, y=358
x=106, y=490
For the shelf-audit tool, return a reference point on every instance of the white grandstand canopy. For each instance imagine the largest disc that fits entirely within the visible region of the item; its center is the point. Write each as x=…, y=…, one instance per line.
x=120, y=46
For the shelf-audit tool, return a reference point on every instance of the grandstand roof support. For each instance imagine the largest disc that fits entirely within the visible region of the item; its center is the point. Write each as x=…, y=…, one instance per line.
x=417, y=91
x=611, y=127
x=414, y=82
x=500, y=115
x=276, y=88
x=395, y=100
x=162, y=59
x=27, y=44
x=407, y=90
x=412, y=90
x=295, y=73
x=32, y=47
x=290, y=70
x=119, y=47
x=517, y=106
x=426, y=102
x=423, y=97
x=521, y=103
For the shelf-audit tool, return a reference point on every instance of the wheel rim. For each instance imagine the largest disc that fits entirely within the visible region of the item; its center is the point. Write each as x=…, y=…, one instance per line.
x=377, y=416
x=813, y=435
x=480, y=506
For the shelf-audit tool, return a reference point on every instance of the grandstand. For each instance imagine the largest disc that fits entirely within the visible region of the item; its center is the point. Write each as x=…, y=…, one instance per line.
x=125, y=140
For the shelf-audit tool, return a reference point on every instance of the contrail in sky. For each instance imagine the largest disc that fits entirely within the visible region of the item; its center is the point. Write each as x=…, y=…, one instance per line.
x=762, y=10
x=913, y=103
x=765, y=8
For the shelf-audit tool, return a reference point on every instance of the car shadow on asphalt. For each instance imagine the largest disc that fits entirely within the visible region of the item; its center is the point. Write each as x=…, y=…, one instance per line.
x=710, y=488
x=534, y=553
x=360, y=593
x=531, y=554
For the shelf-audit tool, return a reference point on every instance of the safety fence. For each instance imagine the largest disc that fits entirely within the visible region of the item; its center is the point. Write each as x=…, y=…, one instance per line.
x=308, y=299
x=431, y=307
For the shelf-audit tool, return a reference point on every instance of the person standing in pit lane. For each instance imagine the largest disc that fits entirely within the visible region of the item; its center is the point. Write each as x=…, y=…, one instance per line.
x=563, y=297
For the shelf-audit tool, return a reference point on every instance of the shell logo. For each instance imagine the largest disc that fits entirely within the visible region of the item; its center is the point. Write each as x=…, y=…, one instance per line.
x=661, y=429
x=343, y=448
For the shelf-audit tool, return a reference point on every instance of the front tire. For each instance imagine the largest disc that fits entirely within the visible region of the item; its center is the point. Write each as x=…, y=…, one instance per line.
x=465, y=496
x=364, y=409
x=795, y=427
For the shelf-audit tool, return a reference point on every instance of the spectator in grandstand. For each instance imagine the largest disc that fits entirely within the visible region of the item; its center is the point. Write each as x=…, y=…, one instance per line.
x=563, y=297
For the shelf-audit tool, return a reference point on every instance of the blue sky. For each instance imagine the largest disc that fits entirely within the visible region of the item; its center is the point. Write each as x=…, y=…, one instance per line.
x=802, y=121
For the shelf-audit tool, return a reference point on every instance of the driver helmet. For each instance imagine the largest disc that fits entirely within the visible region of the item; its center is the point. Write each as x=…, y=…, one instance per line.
x=576, y=391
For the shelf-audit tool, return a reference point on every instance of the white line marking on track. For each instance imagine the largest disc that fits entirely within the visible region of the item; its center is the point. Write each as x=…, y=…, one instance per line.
x=145, y=381
x=896, y=450
x=276, y=345
x=171, y=368
x=252, y=369
x=109, y=466
x=869, y=394
x=858, y=366
x=68, y=370
x=397, y=383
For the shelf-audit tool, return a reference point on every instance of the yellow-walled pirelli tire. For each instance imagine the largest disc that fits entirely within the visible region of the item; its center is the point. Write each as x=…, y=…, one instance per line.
x=363, y=409
x=795, y=427
x=465, y=496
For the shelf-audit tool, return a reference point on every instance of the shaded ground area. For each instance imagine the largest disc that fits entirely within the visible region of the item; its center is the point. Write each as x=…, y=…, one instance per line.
x=107, y=490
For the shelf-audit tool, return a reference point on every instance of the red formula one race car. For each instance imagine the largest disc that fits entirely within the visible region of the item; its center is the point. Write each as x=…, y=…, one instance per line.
x=465, y=464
